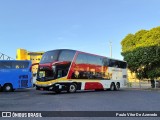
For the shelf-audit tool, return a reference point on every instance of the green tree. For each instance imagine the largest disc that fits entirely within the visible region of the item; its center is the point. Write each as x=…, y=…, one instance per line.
x=142, y=53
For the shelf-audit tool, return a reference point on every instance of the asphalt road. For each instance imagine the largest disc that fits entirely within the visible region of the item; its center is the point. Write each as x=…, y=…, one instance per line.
x=123, y=100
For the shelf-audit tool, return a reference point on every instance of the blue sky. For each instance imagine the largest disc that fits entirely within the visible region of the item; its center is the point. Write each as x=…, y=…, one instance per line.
x=86, y=25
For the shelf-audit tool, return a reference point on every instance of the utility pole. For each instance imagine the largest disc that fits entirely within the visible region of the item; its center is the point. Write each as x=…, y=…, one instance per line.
x=110, y=46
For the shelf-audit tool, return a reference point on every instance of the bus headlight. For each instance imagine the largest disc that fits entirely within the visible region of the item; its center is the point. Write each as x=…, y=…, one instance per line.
x=50, y=84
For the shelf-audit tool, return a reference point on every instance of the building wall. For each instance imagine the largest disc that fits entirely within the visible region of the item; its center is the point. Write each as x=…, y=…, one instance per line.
x=22, y=54
x=35, y=57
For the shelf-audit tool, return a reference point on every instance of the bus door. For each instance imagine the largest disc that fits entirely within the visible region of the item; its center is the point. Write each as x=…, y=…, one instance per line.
x=62, y=69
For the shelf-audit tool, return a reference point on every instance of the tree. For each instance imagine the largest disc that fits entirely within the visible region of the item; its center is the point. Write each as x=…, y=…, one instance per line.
x=142, y=53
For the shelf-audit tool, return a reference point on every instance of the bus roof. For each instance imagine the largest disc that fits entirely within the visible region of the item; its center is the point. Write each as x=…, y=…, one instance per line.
x=87, y=53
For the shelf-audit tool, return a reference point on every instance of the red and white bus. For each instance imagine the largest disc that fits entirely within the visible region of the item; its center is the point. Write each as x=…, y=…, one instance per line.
x=71, y=70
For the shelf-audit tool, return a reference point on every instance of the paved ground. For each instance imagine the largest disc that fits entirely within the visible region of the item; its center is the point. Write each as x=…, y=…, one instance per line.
x=123, y=100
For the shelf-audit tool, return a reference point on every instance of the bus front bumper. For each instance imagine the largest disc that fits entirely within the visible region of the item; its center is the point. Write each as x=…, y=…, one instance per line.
x=46, y=86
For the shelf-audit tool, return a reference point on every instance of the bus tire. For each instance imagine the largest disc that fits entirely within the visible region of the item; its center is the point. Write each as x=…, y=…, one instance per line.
x=8, y=88
x=117, y=86
x=112, y=87
x=72, y=88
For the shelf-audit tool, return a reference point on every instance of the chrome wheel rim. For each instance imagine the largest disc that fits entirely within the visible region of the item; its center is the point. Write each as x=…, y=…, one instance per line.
x=72, y=88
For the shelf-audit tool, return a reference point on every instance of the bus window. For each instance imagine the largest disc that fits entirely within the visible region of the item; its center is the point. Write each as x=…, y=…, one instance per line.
x=61, y=73
x=6, y=65
x=95, y=60
x=123, y=65
x=105, y=62
x=111, y=63
x=66, y=55
x=81, y=59
x=114, y=63
x=50, y=56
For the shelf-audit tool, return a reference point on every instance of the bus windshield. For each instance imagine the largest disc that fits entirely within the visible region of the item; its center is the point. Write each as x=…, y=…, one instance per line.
x=63, y=59
x=49, y=57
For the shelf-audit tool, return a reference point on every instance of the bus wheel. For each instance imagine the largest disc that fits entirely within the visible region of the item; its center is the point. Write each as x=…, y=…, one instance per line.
x=7, y=88
x=72, y=88
x=112, y=87
x=117, y=86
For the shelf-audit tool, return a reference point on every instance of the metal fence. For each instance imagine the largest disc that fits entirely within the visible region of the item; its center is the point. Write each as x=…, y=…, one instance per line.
x=139, y=84
x=5, y=57
x=144, y=84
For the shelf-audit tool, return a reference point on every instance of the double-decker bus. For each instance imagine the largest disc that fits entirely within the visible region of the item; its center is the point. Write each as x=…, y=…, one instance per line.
x=71, y=70
x=15, y=74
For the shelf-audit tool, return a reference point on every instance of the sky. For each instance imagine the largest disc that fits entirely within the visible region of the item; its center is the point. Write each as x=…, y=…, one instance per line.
x=85, y=25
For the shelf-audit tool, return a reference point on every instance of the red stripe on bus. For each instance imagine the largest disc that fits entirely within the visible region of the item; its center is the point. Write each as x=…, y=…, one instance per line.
x=93, y=85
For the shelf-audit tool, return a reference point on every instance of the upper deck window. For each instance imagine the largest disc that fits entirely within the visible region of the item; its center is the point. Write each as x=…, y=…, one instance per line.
x=20, y=64
x=94, y=60
x=66, y=55
x=118, y=64
x=106, y=61
x=5, y=65
x=57, y=55
x=14, y=64
x=122, y=64
x=88, y=59
x=50, y=56
x=81, y=59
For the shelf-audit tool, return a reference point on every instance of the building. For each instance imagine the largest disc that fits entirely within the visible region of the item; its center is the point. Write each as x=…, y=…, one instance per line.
x=35, y=57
